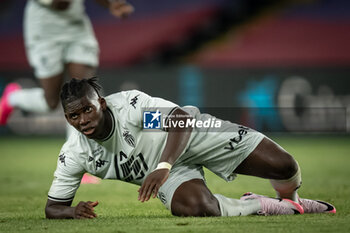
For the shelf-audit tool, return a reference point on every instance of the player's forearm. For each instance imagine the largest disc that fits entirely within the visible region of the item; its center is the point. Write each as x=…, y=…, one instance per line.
x=58, y=210
x=178, y=138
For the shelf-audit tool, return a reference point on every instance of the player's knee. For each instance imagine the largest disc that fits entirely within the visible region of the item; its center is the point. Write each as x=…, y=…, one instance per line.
x=52, y=103
x=287, y=167
x=196, y=207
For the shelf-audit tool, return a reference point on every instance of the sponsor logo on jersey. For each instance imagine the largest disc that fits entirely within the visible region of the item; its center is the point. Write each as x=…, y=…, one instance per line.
x=152, y=120
x=91, y=159
x=129, y=138
x=133, y=101
x=242, y=131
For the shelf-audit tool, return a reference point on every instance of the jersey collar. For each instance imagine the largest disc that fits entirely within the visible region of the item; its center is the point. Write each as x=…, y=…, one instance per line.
x=113, y=126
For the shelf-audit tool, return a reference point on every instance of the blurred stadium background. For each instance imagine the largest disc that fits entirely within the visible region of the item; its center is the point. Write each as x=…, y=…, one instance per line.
x=276, y=66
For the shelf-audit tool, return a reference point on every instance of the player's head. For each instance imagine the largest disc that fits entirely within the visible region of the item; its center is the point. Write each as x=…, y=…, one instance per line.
x=76, y=89
x=83, y=106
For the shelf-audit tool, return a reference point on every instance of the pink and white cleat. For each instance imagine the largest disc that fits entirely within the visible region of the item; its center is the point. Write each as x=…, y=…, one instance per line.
x=5, y=108
x=275, y=206
x=250, y=195
x=316, y=206
x=309, y=206
x=90, y=179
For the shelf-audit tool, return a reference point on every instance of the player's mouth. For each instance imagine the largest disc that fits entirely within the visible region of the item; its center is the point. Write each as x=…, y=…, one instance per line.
x=88, y=131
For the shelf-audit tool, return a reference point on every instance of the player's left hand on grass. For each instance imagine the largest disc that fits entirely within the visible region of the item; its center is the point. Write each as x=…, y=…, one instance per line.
x=85, y=210
x=121, y=9
x=152, y=184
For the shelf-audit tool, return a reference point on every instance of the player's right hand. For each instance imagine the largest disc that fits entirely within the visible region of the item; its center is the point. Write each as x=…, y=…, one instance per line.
x=85, y=210
x=152, y=183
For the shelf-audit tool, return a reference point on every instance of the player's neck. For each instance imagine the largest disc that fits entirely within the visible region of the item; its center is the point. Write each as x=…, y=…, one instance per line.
x=108, y=126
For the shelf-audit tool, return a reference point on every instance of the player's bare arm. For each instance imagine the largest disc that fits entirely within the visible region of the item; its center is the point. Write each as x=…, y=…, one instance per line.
x=64, y=210
x=118, y=8
x=176, y=143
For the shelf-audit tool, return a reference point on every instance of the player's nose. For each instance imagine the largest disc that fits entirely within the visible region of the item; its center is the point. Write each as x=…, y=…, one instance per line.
x=84, y=119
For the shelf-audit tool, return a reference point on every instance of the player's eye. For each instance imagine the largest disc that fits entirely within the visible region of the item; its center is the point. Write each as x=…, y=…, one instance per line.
x=73, y=116
x=88, y=109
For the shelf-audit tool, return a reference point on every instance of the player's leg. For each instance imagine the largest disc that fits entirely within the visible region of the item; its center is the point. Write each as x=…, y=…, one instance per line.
x=270, y=161
x=51, y=88
x=186, y=194
x=81, y=56
x=193, y=198
x=46, y=59
x=39, y=100
x=80, y=71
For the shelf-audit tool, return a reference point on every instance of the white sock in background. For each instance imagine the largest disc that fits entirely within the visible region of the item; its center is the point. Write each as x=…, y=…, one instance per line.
x=31, y=100
x=235, y=207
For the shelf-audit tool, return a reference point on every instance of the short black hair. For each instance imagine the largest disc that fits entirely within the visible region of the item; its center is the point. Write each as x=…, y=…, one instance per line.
x=78, y=88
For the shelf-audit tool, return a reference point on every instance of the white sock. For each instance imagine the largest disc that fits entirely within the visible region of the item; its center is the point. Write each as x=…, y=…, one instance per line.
x=288, y=188
x=31, y=100
x=235, y=207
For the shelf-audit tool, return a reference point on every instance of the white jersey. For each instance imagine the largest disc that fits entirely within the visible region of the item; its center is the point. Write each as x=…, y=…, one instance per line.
x=128, y=154
x=42, y=23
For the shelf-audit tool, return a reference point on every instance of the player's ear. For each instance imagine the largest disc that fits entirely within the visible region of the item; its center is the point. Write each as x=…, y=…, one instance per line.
x=103, y=103
x=66, y=116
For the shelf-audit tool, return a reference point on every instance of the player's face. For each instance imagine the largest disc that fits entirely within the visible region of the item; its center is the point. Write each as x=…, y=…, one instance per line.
x=87, y=115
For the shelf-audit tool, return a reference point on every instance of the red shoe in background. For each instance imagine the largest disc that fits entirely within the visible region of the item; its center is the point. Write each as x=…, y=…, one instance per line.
x=5, y=108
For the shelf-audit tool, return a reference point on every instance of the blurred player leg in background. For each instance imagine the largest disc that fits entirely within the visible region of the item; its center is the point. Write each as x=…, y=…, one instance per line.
x=63, y=43
x=59, y=39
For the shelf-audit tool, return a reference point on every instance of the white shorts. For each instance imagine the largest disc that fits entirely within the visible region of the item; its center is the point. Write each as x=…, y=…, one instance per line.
x=48, y=58
x=219, y=161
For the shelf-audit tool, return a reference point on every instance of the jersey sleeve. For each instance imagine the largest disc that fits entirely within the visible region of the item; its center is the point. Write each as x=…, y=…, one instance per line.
x=141, y=104
x=67, y=178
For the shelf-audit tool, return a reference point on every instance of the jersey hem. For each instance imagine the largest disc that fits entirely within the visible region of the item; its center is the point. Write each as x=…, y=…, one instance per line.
x=60, y=199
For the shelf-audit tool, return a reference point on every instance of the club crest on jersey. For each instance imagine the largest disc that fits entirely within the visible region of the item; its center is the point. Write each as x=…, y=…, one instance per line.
x=129, y=138
x=152, y=120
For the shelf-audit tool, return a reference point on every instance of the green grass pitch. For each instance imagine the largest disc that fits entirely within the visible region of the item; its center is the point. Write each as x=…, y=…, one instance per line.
x=26, y=171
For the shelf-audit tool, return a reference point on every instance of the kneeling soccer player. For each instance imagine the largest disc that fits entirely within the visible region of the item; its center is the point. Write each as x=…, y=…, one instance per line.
x=111, y=142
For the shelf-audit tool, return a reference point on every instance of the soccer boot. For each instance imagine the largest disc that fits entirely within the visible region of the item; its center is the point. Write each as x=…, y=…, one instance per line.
x=316, y=206
x=5, y=108
x=309, y=206
x=275, y=206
